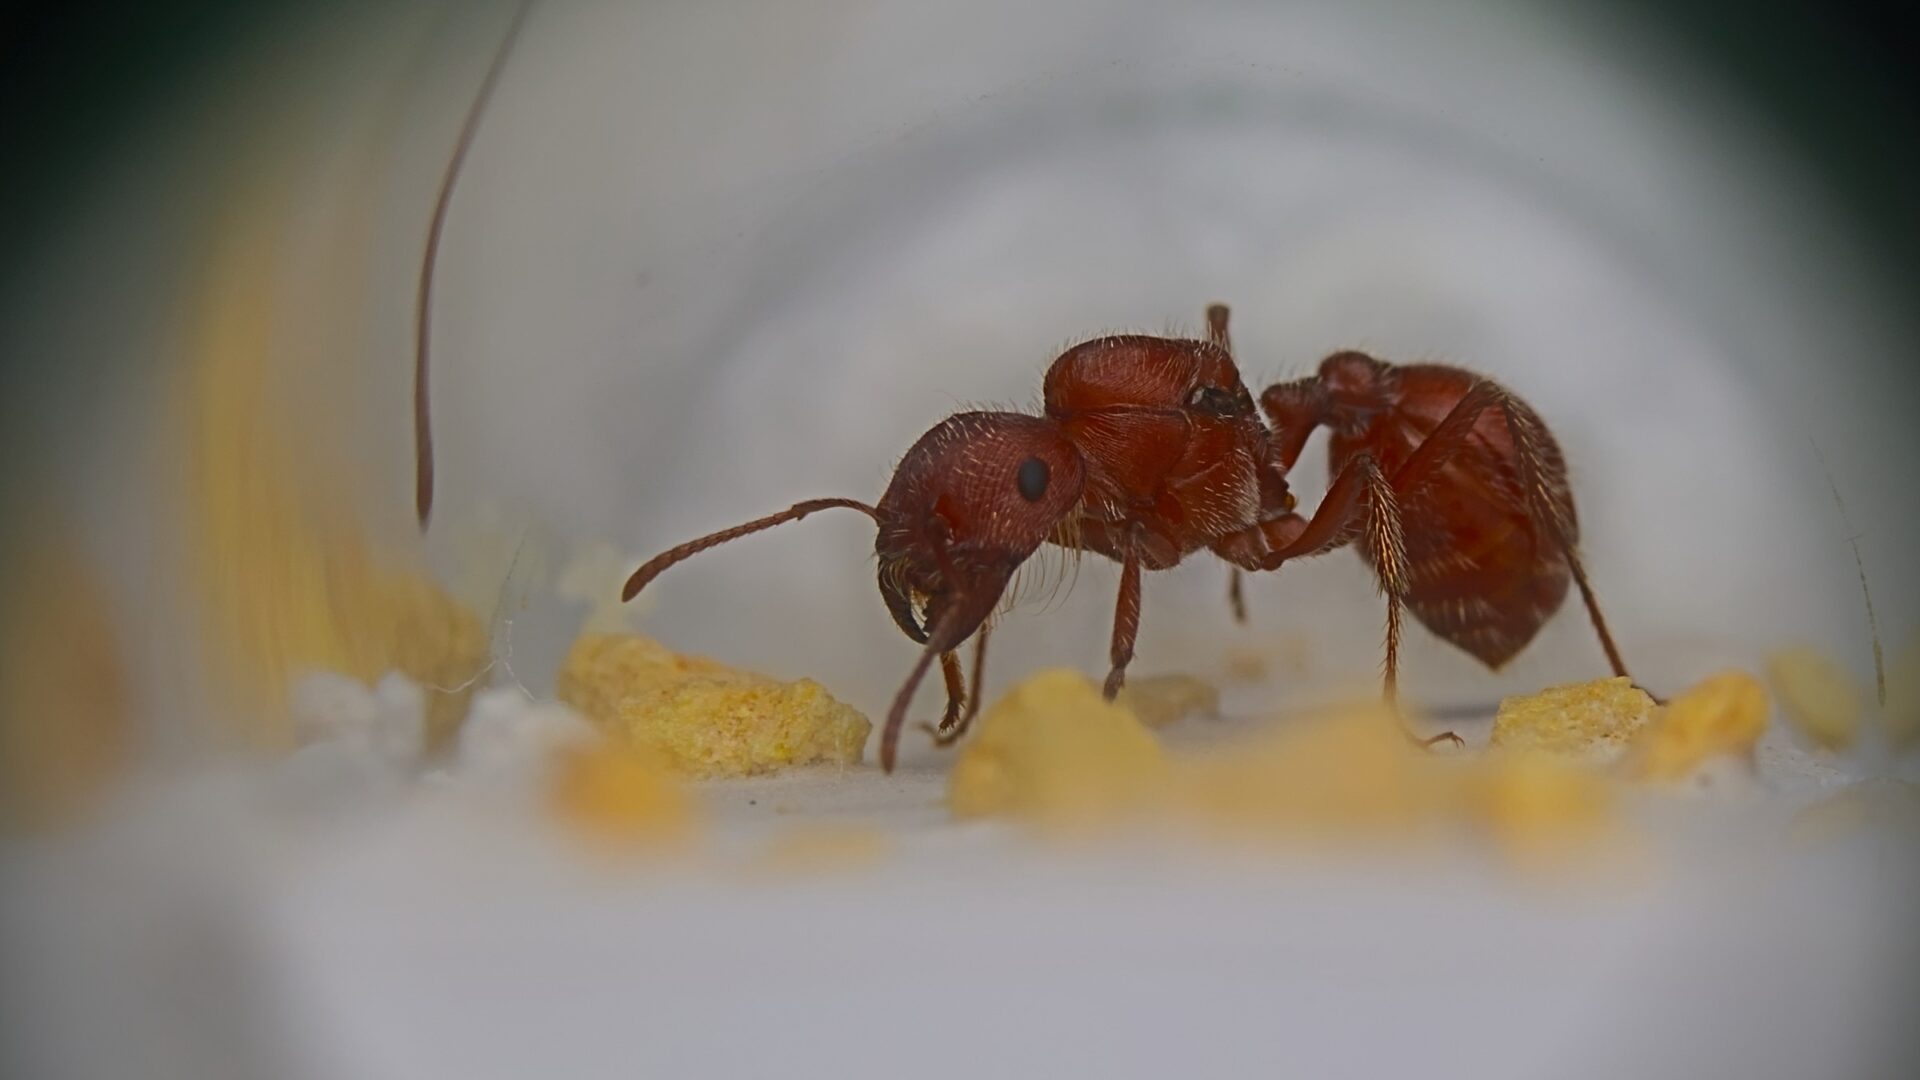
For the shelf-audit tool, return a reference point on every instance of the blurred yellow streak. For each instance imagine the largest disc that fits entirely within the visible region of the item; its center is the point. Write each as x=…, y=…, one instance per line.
x=287, y=575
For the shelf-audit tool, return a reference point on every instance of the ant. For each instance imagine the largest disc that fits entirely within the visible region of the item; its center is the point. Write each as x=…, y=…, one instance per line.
x=1148, y=450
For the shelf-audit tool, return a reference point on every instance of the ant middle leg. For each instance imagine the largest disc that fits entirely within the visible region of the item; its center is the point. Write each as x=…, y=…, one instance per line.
x=1360, y=506
x=1126, y=621
x=956, y=689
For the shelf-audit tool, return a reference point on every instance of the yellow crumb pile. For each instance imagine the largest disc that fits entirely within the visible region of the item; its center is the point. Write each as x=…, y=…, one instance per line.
x=1160, y=700
x=1722, y=716
x=1816, y=695
x=1055, y=752
x=1591, y=719
x=1347, y=770
x=620, y=793
x=702, y=717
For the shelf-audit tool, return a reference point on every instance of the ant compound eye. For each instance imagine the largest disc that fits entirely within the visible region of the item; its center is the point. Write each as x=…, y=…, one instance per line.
x=1219, y=401
x=1032, y=478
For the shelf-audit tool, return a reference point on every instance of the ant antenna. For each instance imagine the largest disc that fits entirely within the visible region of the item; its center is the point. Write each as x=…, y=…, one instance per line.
x=423, y=304
x=653, y=567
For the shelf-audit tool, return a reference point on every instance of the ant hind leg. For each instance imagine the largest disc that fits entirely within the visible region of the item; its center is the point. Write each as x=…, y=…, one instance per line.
x=1548, y=503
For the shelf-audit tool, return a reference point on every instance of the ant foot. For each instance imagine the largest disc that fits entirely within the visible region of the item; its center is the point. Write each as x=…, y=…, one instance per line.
x=944, y=735
x=1430, y=742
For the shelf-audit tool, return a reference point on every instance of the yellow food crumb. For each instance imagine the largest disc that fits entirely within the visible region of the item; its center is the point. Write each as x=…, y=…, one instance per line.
x=1537, y=805
x=1591, y=719
x=1722, y=715
x=827, y=848
x=1816, y=695
x=1055, y=752
x=702, y=717
x=1159, y=700
x=1902, y=714
x=601, y=670
x=620, y=793
x=1350, y=771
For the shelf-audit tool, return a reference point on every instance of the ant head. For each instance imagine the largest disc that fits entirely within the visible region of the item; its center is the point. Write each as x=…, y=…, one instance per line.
x=1355, y=378
x=968, y=504
x=1350, y=389
x=1134, y=371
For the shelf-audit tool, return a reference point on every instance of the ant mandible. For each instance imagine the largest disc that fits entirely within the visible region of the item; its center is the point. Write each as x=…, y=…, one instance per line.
x=1148, y=450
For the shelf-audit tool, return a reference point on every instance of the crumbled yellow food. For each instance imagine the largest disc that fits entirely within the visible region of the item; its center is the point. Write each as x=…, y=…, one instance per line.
x=622, y=793
x=702, y=717
x=826, y=848
x=710, y=727
x=1721, y=716
x=1159, y=700
x=1055, y=752
x=1902, y=713
x=1590, y=720
x=1538, y=804
x=601, y=670
x=1816, y=695
x=1346, y=772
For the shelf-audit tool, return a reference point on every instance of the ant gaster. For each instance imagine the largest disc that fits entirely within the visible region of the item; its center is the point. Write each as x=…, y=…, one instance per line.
x=1480, y=490
x=1149, y=449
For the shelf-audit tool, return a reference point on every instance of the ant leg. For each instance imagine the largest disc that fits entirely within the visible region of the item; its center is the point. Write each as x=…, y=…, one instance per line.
x=1126, y=620
x=1361, y=493
x=654, y=566
x=897, y=713
x=1217, y=326
x=949, y=732
x=956, y=689
x=1237, y=596
x=1549, y=505
x=429, y=259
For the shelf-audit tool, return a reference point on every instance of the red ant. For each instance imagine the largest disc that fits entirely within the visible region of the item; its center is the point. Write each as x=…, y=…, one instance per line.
x=1149, y=449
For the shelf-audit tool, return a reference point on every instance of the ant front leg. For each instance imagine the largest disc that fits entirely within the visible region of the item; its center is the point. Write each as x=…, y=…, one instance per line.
x=956, y=689
x=954, y=726
x=1548, y=504
x=1126, y=619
